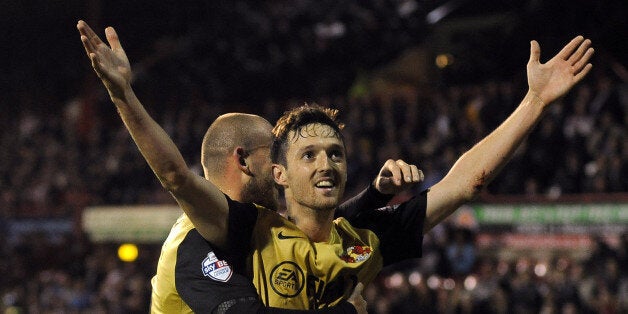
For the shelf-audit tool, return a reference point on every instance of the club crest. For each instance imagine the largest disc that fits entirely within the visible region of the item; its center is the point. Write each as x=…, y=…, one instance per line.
x=356, y=254
x=216, y=269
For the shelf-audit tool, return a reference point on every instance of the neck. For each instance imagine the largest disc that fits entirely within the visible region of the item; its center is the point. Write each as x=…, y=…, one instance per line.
x=228, y=184
x=315, y=223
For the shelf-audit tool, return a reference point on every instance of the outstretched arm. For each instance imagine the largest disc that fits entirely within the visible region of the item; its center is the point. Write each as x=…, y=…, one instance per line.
x=477, y=167
x=202, y=201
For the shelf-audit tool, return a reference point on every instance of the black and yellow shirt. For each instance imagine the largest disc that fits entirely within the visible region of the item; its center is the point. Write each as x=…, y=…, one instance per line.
x=289, y=271
x=193, y=276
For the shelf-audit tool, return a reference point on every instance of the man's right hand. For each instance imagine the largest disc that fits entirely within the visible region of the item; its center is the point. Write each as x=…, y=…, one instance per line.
x=357, y=300
x=111, y=64
x=396, y=176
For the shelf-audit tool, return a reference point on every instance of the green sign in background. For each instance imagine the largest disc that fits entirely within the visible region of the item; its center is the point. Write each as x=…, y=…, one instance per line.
x=551, y=214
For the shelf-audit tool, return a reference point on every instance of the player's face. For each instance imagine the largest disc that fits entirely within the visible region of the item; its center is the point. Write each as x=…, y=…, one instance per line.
x=316, y=169
x=261, y=187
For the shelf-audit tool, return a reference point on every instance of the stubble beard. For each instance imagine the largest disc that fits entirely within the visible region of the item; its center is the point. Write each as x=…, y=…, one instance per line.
x=261, y=192
x=320, y=203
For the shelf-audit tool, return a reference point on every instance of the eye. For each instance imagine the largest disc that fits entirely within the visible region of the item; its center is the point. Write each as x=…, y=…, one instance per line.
x=308, y=155
x=336, y=155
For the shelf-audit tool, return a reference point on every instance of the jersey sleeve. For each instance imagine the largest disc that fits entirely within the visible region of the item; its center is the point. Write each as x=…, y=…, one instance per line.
x=242, y=220
x=369, y=198
x=398, y=227
x=205, y=279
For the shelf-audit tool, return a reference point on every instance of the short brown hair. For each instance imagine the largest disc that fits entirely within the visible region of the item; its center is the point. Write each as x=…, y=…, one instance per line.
x=295, y=120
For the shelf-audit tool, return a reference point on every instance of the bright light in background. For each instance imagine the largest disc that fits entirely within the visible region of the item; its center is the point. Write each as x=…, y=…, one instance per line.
x=444, y=60
x=540, y=269
x=433, y=282
x=449, y=284
x=127, y=252
x=470, y=283
x=415, y=278
x=394, y=281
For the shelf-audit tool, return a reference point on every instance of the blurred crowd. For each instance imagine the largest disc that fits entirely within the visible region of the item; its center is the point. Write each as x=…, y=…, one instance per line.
x=54, y=164
x=46, y=275
x=453, y=277
x=43, y=274
x=62, y=146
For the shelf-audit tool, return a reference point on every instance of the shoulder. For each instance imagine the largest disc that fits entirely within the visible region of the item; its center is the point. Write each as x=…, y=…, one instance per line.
x=346, y=230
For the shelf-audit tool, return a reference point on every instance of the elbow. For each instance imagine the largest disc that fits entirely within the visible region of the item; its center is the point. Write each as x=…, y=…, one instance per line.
x=475, y=187
x=173, y=178
x=465, y=195
x=472, y=192
x=468, y=195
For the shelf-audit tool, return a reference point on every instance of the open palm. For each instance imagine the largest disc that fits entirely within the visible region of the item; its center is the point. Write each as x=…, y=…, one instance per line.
x=553, y=79
x=110, y=62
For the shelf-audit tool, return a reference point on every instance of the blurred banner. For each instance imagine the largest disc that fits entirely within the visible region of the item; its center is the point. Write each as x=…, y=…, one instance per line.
x=138, y=224
x=544, y=227
x=553, y=218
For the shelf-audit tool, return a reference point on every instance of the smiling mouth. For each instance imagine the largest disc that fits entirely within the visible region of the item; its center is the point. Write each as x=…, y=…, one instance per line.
x=325, y=184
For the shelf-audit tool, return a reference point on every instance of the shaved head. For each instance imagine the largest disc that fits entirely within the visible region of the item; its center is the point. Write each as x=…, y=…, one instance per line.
x=228, y=132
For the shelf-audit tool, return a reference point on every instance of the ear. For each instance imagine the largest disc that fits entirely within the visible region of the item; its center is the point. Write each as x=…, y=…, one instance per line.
x=279, y=174
x=240, y=154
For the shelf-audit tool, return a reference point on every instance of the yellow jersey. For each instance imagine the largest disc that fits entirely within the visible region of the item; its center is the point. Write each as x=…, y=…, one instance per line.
x=292, y=272
x=288, y=270
x=193, y=276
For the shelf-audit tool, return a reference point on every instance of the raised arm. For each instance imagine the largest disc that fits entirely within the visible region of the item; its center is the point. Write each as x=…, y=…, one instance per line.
x=201, y=200
x=477, y=167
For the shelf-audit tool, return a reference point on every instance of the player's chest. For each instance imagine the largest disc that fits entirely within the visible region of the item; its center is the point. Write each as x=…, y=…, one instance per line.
x=317, y=274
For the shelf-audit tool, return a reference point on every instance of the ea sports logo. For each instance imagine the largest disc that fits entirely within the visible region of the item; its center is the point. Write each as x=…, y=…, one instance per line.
x=287, y=279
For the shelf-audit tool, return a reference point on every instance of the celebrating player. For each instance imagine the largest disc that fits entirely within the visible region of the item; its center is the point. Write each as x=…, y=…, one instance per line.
x=307, y=261
x=194, y=274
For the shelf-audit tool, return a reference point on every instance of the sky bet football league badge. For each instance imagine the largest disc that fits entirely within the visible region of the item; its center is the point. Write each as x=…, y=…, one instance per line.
x=216, y=269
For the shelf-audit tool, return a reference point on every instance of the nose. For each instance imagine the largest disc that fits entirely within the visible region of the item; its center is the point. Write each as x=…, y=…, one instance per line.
x=323, y=162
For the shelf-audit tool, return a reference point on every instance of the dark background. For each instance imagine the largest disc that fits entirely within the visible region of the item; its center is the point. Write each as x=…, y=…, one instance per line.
x=228, y=45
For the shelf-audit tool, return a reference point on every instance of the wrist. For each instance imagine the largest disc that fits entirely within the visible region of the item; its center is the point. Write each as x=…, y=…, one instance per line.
x=374, y=192
x=121, y=93
x=534, y=98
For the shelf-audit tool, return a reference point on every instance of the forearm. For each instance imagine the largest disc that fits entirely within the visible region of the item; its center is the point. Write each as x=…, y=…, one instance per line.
x=204, y=204
x=478, y=167
x=160, y=152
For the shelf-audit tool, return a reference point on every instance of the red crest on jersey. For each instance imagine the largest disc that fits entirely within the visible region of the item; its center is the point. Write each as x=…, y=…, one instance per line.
x=356, y=254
